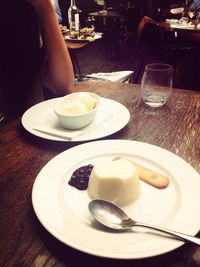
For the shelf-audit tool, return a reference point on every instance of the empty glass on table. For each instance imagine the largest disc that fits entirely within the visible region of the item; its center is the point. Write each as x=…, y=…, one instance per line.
x=156, y=84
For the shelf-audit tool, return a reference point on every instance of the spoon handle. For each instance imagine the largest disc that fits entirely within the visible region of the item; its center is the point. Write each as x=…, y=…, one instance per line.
x=182, y=236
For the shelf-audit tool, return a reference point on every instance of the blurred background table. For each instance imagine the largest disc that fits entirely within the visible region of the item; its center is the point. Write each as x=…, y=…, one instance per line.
x=171, y=25
x=24, y=241
x=106, y=14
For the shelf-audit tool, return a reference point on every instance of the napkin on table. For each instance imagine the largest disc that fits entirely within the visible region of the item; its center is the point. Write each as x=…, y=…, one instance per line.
x=117, y=76
x=53, y=128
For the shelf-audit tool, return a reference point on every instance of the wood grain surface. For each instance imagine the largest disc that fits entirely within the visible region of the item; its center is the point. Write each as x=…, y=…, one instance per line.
x=24, y=241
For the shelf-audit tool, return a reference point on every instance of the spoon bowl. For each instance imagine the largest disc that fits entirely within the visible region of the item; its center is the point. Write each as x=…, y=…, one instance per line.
x=113, y=217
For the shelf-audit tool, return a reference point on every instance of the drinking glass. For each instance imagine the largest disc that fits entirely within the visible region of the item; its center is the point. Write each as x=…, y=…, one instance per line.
x=156, y=84
x=184, y=17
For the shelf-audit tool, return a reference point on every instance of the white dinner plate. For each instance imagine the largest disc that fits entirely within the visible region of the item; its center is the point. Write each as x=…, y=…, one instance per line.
x=95, y=37
x=110, y=118
x=63, y=209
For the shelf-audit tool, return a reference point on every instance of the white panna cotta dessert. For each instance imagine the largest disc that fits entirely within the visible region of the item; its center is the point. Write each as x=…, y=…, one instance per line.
x=116, y=181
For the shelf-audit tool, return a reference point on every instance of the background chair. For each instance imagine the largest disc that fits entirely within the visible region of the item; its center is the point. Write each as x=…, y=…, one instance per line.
x=147, y=41
x=156, y=44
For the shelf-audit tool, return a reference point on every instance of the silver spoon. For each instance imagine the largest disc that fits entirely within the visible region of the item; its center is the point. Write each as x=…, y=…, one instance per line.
x=113, y=217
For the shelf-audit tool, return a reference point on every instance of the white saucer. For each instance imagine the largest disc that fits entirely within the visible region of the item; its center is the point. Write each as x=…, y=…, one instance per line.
x=110, y=118
x=63, y=209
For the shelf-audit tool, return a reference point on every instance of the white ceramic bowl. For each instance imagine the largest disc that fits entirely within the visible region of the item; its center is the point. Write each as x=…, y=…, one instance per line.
x=76, y=110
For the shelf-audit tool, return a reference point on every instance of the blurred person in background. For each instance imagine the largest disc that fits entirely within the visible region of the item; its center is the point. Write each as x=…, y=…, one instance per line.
x=58, y=10
x=23, y=24
x=196, y=5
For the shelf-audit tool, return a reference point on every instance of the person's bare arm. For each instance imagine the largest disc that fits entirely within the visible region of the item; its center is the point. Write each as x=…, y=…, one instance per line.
x=59, y=63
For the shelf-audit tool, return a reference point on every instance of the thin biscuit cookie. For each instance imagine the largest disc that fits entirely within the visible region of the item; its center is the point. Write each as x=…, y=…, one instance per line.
x=148, y=176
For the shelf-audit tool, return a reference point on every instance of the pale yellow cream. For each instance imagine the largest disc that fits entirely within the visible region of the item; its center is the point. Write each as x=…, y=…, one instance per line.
x=74, y=107
x=88, y=100
x=80, y=104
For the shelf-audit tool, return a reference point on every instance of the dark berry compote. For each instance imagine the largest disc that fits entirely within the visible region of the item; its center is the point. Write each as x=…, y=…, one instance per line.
x=80, y=177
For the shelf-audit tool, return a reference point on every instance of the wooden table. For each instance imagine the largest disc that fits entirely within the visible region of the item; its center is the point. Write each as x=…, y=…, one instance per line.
x=23, y=240
x=106, y=15
x=178, y=27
